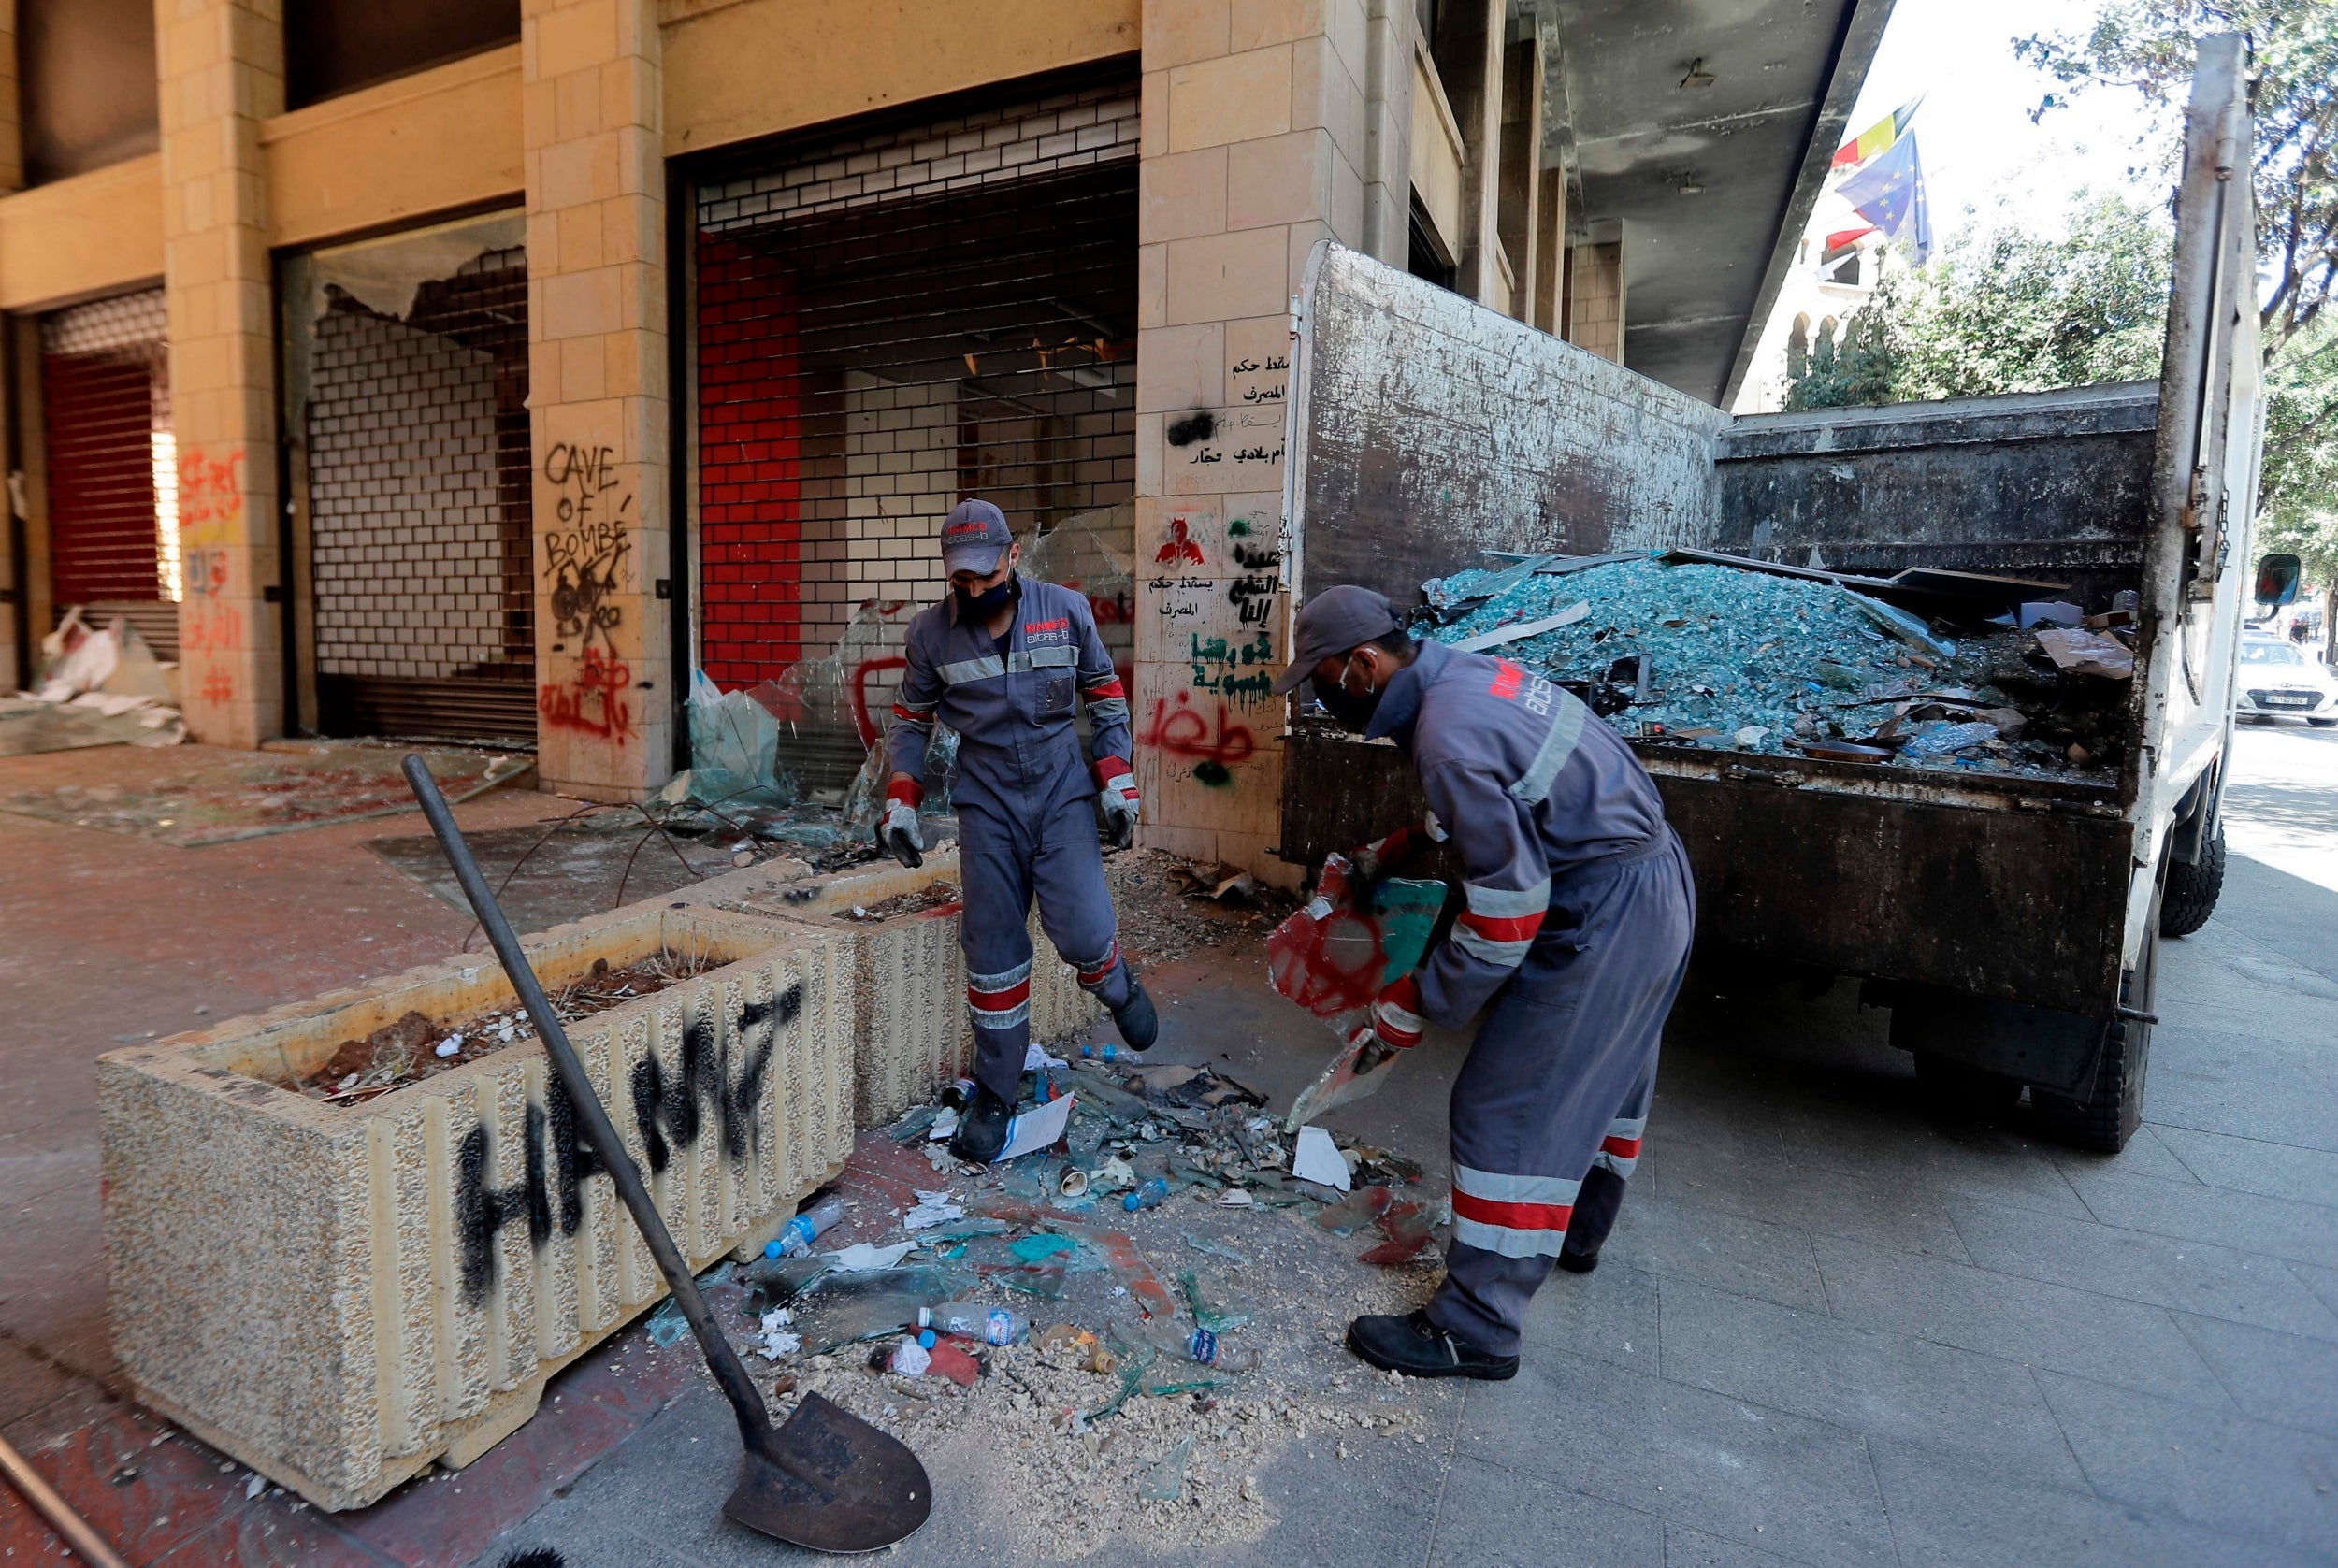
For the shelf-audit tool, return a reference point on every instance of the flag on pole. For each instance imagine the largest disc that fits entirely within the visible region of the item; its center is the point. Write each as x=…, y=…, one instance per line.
x=1889, y=194
x=1838, y=239
x=1878, y=137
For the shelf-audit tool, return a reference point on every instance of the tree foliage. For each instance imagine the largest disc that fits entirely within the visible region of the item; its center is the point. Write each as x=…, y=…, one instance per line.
x=2297, y=501
x=1999, y=310
x=2151, y=45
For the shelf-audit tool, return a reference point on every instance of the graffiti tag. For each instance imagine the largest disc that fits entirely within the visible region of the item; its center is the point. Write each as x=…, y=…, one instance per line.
x=594, y=702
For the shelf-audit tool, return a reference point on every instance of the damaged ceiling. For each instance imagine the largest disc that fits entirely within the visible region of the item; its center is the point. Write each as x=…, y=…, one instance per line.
x=1699, y=132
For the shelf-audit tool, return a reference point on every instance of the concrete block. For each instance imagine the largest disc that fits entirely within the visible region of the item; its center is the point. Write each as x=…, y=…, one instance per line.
x=913, y=1034
x=339, y=1295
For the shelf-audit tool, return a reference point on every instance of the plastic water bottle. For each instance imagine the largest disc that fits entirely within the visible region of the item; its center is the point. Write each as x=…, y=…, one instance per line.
x=1205, y=1348
x=1106, y=1052
x=1153, y=1195
x=992, y=1325
x=797, y=1236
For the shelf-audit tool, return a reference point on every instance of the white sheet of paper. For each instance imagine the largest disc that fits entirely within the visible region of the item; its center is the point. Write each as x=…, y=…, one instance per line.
x=1316, y=1158
x=1037, y=1129
x=863, y=1258
x=1035, y=1059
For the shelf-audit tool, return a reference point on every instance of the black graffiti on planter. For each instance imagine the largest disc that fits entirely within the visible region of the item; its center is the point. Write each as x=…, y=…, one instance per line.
x=670, y=1115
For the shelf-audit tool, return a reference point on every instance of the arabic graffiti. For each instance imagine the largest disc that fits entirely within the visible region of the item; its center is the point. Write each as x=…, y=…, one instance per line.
x=1215, y=744
x=592, y=702
x=1215, y=662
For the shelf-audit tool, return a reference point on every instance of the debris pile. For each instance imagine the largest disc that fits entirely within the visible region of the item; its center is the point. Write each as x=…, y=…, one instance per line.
x=98, y=686
x=1076, y=1327
x=1735, y=657
x=415, y=1046
x=1168, y=908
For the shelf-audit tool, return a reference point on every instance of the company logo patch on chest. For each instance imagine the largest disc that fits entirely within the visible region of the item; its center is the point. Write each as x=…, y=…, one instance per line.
x=1512, y=684
x=1061, y=626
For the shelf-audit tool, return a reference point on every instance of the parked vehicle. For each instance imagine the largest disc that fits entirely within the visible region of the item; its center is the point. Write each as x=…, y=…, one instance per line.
x=2280, y=680
x=2011, y=923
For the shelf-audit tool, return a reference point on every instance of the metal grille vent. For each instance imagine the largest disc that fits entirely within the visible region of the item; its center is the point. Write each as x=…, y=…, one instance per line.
x=418, y=481
x=888, y=322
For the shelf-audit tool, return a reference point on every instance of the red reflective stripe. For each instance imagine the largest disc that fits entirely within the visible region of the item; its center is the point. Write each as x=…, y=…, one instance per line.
x=1089, y=976
x=1508, y=682
x=998, y=1001
x=1622, y=1148
x=1109, y=689
x=1511, y=1217
x=1505, y=927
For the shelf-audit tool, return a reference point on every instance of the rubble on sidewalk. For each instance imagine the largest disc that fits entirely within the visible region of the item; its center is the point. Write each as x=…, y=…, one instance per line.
x=1097, y=1368
x=1701, y=650
x=98, y=686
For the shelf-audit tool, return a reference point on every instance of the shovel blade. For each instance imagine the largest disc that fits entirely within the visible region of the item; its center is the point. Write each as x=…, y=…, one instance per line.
x=1338, y=1084
x=832, y=1483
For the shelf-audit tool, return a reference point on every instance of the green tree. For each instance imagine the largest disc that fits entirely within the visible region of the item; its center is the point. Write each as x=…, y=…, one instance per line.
x=2298, y=499
x=2001, y=310
x=2150, y=45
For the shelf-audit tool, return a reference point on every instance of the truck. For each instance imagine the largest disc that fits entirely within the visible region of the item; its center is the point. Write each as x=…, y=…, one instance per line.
x=2010, y=921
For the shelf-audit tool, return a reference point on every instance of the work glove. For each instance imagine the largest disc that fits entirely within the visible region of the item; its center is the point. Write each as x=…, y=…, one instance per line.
x=1117, y=794
x=898, y=832
x=1374, y=863
x=1395, y=1024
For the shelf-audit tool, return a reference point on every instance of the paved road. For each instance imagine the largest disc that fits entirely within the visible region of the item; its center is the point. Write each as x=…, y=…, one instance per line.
x=1828, y=1329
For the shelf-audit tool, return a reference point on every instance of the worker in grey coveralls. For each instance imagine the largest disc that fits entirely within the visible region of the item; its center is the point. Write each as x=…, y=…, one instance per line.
x=1000, y=660
x=1576, y=925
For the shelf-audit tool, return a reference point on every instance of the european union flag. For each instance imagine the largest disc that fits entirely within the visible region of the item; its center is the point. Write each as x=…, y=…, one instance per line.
x=1889, y=194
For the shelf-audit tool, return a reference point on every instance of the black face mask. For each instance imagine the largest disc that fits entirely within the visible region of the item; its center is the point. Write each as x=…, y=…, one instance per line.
x=1353, y=712
x=989, y=601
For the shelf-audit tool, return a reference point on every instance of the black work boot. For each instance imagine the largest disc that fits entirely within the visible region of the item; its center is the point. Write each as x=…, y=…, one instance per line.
x=1418, y=1348
x=1576, y=1263
x=982, y=1128
x=1138, y=1024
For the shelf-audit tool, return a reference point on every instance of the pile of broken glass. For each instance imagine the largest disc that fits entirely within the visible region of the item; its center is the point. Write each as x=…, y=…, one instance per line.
x=1669, y=647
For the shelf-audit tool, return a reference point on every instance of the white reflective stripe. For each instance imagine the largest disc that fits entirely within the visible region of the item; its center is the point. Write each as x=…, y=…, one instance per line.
x=900, y=701
x=1109, y=708
x=1496, y=1187
x=1002, y=979
x=1043, y=659
x=1507, y=1243
x=923, y=727
x=1557, y=747
x=1628, y=1127
x=1506, y=903
x=1509, y=954
x=1616, y=1163
x=989, y=667
x=1005, y=1019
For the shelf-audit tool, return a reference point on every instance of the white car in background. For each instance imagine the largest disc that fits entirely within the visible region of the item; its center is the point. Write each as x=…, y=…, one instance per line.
x=2282, y=680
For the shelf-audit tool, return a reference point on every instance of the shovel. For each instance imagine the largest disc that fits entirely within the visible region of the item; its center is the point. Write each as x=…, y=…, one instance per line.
x=826, y=1479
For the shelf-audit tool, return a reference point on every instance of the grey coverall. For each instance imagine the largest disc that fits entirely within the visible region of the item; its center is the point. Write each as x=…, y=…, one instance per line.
x=1025, y=799
x=1577, y=925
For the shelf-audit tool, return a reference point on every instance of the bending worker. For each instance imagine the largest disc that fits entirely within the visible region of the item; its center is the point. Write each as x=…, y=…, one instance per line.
x=997, y=660
x=1576, y=930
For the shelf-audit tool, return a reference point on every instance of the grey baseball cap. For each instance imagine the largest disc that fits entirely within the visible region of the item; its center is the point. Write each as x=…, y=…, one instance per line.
x=1331, y=623
x=974, y=536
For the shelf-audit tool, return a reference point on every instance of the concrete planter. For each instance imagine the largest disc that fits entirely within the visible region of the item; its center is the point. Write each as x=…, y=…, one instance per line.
x=339, y=1296
x=913, y=1034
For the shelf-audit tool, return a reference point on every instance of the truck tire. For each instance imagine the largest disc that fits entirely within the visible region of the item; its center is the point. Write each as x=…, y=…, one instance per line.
x=1962, y=1090
x=2113, y=1108
x=2190, y=896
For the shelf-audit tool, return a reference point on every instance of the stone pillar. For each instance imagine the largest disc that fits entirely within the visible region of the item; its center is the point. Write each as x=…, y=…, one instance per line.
x=11, y=103
x=1264, y=124
x=1470, y=38
x=1520, y=189
x=221, y=64
x=1549, y=247
x=593, y=115
x=1595, y=302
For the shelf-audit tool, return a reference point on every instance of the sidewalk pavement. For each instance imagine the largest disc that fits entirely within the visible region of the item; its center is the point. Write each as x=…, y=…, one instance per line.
x=1830, y=1329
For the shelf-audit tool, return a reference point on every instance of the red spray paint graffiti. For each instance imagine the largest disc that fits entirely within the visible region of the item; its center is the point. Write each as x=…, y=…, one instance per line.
x=1180, y=729
x=1180, y=547
x=594, y=702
